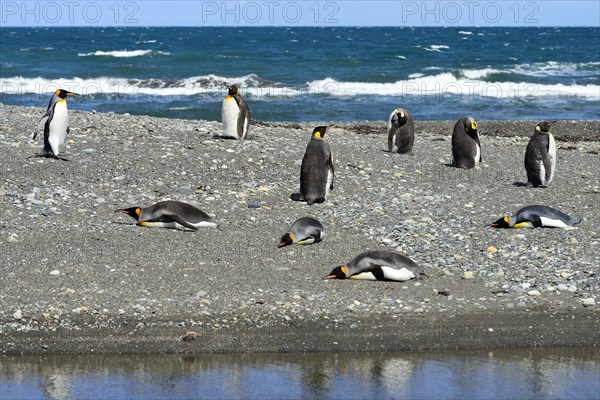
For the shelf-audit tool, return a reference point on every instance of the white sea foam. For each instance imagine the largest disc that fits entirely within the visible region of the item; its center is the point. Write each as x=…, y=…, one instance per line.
x=124, y=53
x=465, y=33
x=468, y=83
x=447, y=84
x=436, y=47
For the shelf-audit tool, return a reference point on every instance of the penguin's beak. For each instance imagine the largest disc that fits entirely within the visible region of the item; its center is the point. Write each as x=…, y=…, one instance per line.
x=552, y=122
x=330, y=277
x=72, y=94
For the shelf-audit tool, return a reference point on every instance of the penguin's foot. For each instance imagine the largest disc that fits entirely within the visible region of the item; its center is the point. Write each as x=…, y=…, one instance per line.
x=315, y=201
x=50, y=155
x=296, y=197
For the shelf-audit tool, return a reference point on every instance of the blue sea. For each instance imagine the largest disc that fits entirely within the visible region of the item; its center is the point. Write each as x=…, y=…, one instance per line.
x=310, y=74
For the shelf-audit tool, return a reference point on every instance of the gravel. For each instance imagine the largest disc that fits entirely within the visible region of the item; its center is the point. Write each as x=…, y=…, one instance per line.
x=77, y=277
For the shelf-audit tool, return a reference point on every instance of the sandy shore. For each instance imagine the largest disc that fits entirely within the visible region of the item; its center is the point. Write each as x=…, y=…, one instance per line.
x=78, y=278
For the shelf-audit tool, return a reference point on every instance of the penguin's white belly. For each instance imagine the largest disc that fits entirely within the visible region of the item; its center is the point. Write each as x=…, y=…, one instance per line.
x=229, y=115
x=551, y=156
x=477, y=152
x=364, y=276
x=329, y=181
x=393, y=274
x=402, y=274
x=154, y=224
x=58, y=126
x=394, y=147
x=552, y=223
x=542, y=173
x=201, y=224
x=308, y=240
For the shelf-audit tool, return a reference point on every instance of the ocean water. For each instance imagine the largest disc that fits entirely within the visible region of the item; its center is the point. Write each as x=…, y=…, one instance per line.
x=548, y=374
x=310, y=74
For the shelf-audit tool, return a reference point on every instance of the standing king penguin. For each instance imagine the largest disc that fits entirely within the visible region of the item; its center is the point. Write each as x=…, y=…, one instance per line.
x=55, y=122
x=235, y=114
x=466, y=149
x=540, y=156
x=401, y=132
x=316, y=172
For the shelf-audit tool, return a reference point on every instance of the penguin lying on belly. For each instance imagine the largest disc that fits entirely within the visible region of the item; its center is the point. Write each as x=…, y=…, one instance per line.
x=304, y=230
x=170, y=214
x=536, y=217
x=378, y=265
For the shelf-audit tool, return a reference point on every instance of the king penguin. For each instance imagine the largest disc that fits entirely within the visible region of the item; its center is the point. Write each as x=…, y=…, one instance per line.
x=401, y=132
x=235, y=114
x=466, y=149
x=378, y=265
x=170, y=214
x=540, y=156
x=55, y=122
x=304, y=230
x=316, y=172
x=536, y=217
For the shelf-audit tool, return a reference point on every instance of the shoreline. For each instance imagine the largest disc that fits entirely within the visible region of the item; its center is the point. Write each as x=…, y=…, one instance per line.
x=82, y=279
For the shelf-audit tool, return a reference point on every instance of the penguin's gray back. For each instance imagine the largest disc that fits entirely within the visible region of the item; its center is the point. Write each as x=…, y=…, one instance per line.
x=401, y=132
x=316, y=172
x=466, y=148
x=540, y=159
x=176, y=211
x=307, y=230
x=383, y=265
x=549, y=217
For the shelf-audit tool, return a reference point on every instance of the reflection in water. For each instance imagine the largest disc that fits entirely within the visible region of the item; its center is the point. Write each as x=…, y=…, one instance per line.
x=533, y=374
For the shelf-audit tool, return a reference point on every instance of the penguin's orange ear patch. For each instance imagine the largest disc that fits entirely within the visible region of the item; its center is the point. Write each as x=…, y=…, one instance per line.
x=537, y=128
x=57, y=92
x=318, y=134
x=473, y=125
x=343, y=269
x=137, y=211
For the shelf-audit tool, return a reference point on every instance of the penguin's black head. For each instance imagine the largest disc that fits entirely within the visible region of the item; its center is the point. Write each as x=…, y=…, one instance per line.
x=337, y=273
x=470, y=125
x=133, y=212
x=286, y=240
x=400, y=116
x=233, y=90
x=62, y=93
x=544, y=126
x=320, y=131
x=501, y=223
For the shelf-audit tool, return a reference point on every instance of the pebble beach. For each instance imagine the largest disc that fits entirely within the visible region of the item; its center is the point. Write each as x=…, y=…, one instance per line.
x=76, y=277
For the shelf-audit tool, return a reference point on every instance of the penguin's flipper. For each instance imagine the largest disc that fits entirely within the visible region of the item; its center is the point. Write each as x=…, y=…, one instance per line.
x=377, y=272
x=536, y=221
x=330, y=166
x=241, y=125
x=182, y=222
x=41, y=124
x=308, y=240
